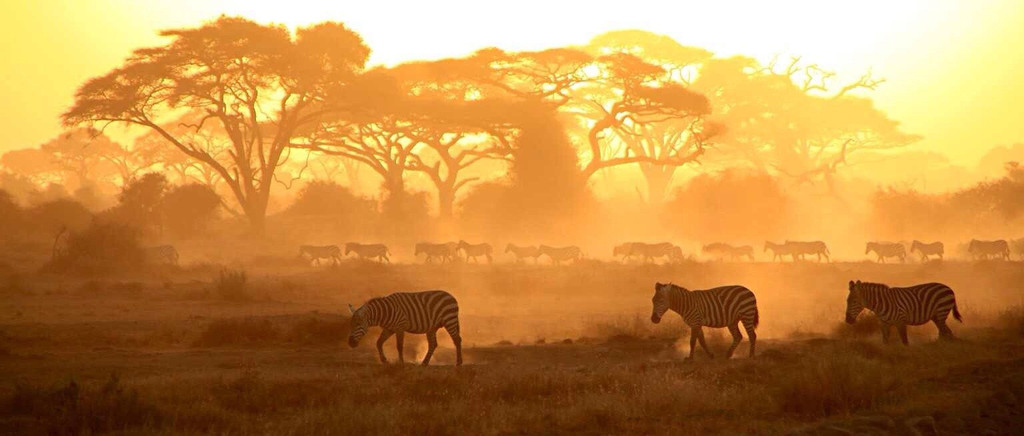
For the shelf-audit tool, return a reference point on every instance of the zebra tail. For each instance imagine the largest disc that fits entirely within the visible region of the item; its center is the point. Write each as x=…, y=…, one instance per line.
x=956, y=313
x=757, y=317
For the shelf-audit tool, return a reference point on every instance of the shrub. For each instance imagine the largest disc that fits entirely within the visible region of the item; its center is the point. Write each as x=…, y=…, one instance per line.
x=231, y=285
x=103, y=247
x=835, y=381
x=71, y=409
x=865, y=327
x=189, y=209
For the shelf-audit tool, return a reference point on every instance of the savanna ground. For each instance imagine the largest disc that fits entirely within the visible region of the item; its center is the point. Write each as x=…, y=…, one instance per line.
x=200, y=349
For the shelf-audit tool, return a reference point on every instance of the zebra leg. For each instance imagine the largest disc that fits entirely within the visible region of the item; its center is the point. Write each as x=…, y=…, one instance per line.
x=902, y=328
x=400, y=344
x=431, y=346
x=736, y=338
x=700, y=337
x=944, y=331
x=885, y=332
x=751, y=336
x=384, y=335
x=457, y=340
x=693, y=341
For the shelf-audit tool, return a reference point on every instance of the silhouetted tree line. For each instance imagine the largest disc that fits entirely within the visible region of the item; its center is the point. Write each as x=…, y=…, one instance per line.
x=241, y=107
x=992, y=209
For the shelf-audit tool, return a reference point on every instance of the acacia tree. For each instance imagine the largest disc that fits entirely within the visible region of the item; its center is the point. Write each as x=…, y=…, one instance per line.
x=634, y=113
x=242, y=76
x=794, y=119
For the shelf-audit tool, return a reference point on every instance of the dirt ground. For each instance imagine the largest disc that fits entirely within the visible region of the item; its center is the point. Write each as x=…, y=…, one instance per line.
x=548, y=351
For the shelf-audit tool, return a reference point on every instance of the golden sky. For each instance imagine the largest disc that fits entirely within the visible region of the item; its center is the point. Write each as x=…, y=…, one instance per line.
x=953, y=68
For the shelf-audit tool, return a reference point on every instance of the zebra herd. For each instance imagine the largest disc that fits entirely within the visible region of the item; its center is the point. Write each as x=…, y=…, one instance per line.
x=726, y=306
x=450, y=252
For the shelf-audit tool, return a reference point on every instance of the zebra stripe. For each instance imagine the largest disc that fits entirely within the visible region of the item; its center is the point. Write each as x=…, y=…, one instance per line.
x=927, y=249
x=408, y=312
x=914, y=305
x=379, y=252
x=724, y=306
x=983, y=249
x=523, y=252
x=315, y=253
x=162, y=254
x=473, y=251
x=887, y=249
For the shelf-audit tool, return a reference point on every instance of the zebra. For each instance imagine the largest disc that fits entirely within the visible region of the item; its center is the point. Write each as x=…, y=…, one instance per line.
x=887, y=249
x=983, y=249
x=800, y=248
x=649, y=252
x=625, y=250
x=901, y=307
x=444, y=251
x=408, y=312
x=927, y=249
x=473, y=251
x=162, y=254
x=561, y=254
x=378, y=252
x=1018, y=246
x=315, y=253
x=779, y=251
x=725, y=250
x=523, y=252
x=724, y=306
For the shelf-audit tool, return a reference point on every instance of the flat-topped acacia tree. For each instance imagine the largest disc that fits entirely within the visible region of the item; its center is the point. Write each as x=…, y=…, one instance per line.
x=259, y=84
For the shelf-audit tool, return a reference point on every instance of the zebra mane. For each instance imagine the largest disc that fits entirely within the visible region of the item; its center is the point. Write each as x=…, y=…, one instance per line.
x=874, y=285
x=674, y=287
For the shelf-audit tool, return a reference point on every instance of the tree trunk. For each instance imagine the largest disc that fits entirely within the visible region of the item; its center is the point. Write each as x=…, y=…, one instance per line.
x=658, y=178
x=446, y=202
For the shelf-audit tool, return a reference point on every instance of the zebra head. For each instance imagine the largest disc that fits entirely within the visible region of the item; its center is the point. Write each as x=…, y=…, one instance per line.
x=854, y=302
x=660, y=301
x=357, y=327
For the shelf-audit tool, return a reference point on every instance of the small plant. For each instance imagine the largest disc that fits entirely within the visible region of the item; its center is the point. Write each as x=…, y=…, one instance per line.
x=231, y=285
x=837, y=381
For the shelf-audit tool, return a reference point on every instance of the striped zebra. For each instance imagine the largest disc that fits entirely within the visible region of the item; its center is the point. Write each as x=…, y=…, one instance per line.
x=983, y=249
x=801, y=248
x=779, y=251
x=408, y=312
x=161, y=254
x=562, y=254
x=901, y=307
x=625, y=250
x=928, y=249
x=724, y=306
x=1018, y=247
x=650, y=252
x=315, y=253
x=377, y=252
x=887, y=249
x=473, y=251
x=722, y=250
x=523, y=252
x=444, y=251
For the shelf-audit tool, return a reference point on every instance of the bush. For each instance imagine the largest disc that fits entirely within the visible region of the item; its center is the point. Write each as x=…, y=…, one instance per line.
x=50, y=217
x=189, y=209
x=865, y=327
x=71, y=409
x=231, y=285
x=103, y=247
x=835, y=381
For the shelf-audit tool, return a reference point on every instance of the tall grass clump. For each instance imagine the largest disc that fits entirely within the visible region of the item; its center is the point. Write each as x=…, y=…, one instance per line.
x=231, y=285
x=834, y=381
x=74, y=409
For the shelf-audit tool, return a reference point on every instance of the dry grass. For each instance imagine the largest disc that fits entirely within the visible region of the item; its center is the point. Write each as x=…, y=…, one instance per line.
x=193, y=361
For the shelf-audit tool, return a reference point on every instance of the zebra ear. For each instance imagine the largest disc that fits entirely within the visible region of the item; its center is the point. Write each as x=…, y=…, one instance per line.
x=351, y=309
